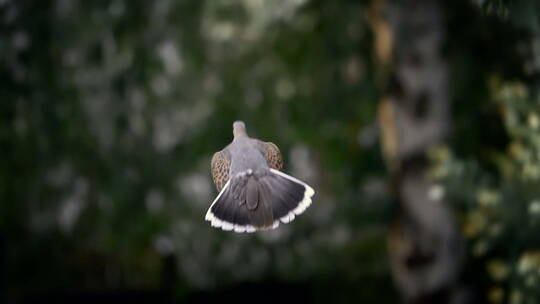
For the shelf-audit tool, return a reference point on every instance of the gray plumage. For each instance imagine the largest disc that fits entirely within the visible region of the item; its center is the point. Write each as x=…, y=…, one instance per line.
x=254, y=194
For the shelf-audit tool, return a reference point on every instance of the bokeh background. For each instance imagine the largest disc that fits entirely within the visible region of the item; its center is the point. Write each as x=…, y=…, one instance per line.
x=417, y=122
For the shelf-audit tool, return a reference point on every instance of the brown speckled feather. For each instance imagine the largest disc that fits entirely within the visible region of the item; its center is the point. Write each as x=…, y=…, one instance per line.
x=221, y=163
x=273, y=155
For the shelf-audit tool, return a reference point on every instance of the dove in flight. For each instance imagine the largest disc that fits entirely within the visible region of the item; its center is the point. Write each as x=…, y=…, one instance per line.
x=253, y=192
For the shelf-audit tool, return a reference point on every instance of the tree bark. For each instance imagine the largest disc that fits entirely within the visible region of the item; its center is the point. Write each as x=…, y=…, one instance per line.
x=424, y=245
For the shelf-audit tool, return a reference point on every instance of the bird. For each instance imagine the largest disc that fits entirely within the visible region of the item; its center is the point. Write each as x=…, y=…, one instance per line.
x=254, y=194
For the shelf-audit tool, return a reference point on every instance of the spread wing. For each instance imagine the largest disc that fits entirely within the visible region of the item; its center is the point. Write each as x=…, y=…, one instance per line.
x=221, y=163
x=272, y=155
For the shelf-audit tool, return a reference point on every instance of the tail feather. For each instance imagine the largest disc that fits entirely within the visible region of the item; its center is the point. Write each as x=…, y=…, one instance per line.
x=224, y=214
x=260, y=202
x=252, y=194
x=260, y=212
x=284, y=194
x=296, y=197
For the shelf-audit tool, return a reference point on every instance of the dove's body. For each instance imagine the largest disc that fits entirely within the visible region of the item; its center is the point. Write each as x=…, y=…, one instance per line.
x=246, y=154
x=253, y=193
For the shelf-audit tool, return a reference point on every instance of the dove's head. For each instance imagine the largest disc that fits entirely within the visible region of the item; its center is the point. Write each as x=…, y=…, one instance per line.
x=239, y=128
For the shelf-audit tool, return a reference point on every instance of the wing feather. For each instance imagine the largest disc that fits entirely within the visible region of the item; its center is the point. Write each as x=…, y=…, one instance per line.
x=273, y=155
x=221, y=164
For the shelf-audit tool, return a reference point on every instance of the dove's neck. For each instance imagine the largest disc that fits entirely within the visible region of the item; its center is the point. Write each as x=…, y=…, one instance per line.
x=239, y=132
x=240, y=138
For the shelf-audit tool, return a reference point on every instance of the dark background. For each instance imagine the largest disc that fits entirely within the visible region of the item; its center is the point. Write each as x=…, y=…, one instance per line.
x=110, y=112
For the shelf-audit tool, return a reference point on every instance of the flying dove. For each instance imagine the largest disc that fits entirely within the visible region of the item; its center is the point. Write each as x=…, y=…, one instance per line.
x=253, y=192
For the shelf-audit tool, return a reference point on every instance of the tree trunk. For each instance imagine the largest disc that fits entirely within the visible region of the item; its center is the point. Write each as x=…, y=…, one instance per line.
x=425, y=247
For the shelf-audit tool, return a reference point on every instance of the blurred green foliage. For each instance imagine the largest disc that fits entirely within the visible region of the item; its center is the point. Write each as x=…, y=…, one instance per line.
x=489, y=171
x=112, y=110
x=500, y=208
